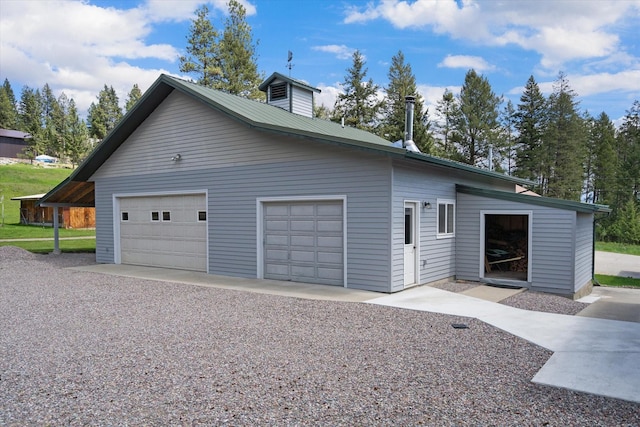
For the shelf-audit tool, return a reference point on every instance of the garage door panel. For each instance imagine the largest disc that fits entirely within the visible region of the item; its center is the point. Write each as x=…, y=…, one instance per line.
x=330, y=273
x=303, y=256
x=330, y=242
x=297, y=225
x=275, y=239
x=298, y=240
x=176, y=243
x=334, y=226
x=304, y=241
x=305, y=210
x=330, y=258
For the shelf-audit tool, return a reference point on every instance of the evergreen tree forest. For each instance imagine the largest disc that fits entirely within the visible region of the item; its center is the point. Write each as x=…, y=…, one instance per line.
x=564, y=151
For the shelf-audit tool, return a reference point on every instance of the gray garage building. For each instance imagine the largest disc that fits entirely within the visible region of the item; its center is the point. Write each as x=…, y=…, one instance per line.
x=197, y=179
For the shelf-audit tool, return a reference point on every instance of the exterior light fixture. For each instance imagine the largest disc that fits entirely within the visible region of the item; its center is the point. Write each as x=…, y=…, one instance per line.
x=426, y=205
x=176, y=157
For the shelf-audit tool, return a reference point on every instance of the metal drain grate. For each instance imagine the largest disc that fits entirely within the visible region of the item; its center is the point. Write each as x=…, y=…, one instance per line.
x=459, y=326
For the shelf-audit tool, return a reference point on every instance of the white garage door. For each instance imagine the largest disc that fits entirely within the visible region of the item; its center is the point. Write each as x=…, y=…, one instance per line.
x=303, y=242
x=164, y=231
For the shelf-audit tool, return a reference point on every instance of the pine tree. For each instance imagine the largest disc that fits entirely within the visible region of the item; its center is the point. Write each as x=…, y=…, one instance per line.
x=477, y=126
x=447, y=113
x=134, y=95
x=601, y=160
x=30, y=119
x=508, y=136
x=564, y=144
x=628, y=154
x=202, y=56
x=104, y=115
x=531, y=122
x=8, y=107
x=237, y=56
x=358, y=105
x=402, y=83
x=77, y=136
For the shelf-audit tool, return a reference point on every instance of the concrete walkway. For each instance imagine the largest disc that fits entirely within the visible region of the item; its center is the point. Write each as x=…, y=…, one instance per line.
x=591, y=355
x=597, y=356
x=614, y=264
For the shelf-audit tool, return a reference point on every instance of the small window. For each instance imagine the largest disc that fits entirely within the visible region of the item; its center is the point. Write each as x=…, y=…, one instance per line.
x=278, y=91
x=166, y=216
x=408, y=226
x=155, y=216
x=124, y=216
x=446, y=218
x=202, y=215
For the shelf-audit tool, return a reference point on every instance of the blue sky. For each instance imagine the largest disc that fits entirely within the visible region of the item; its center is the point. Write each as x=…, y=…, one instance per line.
x=79, y=46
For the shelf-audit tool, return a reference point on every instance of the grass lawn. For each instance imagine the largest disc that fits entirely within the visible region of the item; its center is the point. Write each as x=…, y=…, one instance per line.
x=624, y=282
x=620, y=248
x=23, y=180
x=83, y=245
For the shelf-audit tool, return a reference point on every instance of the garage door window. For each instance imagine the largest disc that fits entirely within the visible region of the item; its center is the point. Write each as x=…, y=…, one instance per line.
x=124, y=216
x=155, y=216
x=202, y=216
x=166, y=216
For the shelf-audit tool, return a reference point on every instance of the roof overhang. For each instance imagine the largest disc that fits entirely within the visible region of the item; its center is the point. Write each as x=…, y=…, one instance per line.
x=534, y=200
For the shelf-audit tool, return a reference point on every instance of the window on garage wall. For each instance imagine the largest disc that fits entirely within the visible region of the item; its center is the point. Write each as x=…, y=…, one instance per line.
x=446, y=218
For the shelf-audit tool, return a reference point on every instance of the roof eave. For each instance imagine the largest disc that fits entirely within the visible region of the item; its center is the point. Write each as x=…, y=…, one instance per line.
x=467, y=168
x=534, y=200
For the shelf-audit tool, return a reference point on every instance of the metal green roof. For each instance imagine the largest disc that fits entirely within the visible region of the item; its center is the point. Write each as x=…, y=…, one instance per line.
x=534, y=200
x=263, y=86
x=257, y=115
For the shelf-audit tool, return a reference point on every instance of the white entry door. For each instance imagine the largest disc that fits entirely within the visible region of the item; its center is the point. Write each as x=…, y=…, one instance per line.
x=410, y=244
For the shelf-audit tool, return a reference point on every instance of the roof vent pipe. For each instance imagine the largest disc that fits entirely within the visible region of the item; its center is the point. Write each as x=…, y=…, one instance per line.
x=410, y=101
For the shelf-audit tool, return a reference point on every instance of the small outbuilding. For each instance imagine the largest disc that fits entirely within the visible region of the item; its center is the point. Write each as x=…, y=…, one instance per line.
x=68, y=217
x=12, y=143
x=197, y=179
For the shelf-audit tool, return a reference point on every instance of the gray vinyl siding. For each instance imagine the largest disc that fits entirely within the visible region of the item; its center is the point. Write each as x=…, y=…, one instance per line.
x=301, y=101
x=437, y=255
x=584, y=250
x=204, y=138
x=552, y=258
x=237, y=165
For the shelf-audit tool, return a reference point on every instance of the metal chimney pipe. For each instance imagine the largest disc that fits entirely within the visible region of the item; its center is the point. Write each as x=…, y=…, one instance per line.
x=409, y=101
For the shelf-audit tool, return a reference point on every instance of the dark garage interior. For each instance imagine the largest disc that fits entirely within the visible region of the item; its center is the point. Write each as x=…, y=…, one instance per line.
x=506, y=246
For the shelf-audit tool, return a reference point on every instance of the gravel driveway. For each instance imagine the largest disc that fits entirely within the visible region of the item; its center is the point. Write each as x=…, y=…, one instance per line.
x=81, y=348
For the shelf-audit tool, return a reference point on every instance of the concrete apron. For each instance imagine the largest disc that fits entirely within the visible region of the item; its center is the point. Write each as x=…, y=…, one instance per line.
x=597, y=356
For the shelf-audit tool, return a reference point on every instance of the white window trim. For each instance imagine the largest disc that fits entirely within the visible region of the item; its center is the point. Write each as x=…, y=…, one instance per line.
x=162, y=216
x=122, y=214
x=198, y=216
x=445, y=235
x=151, y=216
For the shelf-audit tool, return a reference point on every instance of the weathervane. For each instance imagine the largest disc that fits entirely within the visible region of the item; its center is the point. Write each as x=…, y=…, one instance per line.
x=289, y=64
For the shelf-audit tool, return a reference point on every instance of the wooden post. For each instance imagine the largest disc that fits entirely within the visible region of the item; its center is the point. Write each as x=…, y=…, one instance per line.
x=56, y=234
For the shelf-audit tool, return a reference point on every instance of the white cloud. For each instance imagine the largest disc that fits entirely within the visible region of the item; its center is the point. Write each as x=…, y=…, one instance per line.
x=559, y=31
x=328, y=94
x=79, y=47
x=340, y=51
x=466, y=62
x=594, y=84
x=433, y=94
